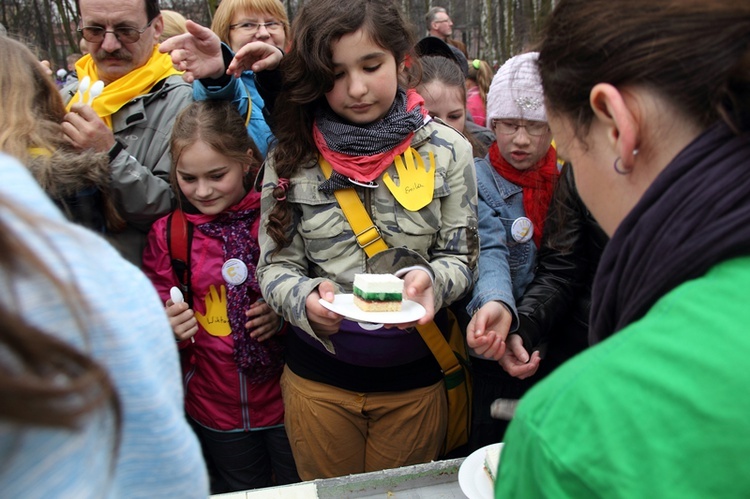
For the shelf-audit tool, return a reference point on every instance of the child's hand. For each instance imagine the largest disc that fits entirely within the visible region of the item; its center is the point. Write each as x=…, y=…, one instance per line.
x=418, y=288
x=488, y=329
x=181, y=318
x=197, y=53
x=255, y=56
x=516, y=360
x=264, y=323
x=323, y=321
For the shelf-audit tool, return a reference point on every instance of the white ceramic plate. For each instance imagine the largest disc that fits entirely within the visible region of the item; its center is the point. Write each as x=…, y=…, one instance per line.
x=473, y=480
x=344, y=305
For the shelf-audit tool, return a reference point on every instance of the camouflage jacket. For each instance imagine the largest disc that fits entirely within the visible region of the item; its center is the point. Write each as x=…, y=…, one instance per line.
x=441, y=236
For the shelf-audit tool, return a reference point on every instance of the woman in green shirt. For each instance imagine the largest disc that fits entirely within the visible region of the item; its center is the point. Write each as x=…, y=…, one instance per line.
x=650, y=102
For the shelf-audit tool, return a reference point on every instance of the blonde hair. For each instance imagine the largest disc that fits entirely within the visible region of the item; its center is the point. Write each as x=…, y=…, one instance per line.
x=33, y=109
x=31, y=125
x=228, y=8
x=174, y=24
x=480, y=73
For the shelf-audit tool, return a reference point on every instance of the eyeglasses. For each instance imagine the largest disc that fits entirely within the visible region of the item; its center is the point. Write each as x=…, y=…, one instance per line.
x=125, y=34
x=534, y=128
x=252, y=27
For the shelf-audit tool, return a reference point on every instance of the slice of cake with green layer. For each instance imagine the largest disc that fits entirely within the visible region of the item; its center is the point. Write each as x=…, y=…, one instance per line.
x=378, y=292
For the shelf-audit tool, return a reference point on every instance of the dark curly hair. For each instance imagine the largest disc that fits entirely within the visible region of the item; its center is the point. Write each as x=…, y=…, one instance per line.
x=308, y=75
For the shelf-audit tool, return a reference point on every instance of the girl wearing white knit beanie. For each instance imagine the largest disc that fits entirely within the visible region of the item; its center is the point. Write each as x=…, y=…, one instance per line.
x=515, y=183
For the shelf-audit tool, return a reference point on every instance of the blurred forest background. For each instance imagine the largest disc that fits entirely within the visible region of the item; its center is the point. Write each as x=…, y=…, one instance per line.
x=493, y=30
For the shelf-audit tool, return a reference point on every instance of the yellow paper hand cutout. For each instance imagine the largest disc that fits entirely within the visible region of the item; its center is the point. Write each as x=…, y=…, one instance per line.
x=416, y=182
x=216, y=320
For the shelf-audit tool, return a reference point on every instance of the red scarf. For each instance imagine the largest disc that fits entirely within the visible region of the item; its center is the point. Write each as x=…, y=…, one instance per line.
x=537, y=183
x=362, y=167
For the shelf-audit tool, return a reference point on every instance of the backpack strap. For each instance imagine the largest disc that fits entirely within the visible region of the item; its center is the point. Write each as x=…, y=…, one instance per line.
x=179, y=243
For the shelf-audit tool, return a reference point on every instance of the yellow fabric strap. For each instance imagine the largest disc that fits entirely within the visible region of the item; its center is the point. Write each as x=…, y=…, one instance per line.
x=369, y=239
x=126, y=88
x=367, y=233
x=249, y=103
x=35, y=152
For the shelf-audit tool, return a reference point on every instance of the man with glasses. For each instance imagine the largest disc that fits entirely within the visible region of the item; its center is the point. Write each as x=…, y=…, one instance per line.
x=439, y=25
x=132, y=118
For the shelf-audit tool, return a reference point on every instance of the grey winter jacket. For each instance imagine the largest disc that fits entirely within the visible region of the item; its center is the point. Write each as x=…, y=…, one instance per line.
x=140, y=171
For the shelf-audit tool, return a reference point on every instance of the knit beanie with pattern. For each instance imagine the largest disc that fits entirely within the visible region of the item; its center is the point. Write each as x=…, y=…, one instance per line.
x=516, y=90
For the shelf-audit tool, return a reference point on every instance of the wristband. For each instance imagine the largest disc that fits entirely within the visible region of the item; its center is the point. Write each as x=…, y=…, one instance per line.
x=115, y=150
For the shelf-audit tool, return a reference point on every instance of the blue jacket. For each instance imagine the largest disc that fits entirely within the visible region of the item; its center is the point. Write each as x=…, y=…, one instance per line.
x=244, y=94
x=506, y=267
x=115, y=318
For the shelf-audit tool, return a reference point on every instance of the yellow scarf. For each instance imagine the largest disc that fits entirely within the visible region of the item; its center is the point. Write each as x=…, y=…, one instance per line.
x=35, y=152
x=126, y=88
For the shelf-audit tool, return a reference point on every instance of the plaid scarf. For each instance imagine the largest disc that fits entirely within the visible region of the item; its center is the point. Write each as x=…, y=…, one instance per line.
x=364, y=152
x=258, y=361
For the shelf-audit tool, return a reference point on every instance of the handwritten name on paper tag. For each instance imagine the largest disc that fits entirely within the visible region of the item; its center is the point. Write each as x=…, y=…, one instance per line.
x=416, y=182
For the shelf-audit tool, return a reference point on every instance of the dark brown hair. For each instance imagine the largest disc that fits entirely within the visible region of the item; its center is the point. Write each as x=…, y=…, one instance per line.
x=695, y=53
x=308, y=74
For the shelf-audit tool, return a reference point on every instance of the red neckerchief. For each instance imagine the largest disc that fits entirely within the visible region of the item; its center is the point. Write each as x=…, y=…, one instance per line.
x=537, y=183
x=367, y=168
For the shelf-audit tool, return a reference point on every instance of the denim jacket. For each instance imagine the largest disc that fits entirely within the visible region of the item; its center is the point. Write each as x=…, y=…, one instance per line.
x=506, y=267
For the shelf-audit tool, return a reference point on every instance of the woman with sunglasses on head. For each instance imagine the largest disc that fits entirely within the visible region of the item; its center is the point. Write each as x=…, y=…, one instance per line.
x=515, y=184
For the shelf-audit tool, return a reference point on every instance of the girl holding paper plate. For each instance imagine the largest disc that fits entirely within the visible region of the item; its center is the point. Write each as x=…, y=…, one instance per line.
x=360, y=400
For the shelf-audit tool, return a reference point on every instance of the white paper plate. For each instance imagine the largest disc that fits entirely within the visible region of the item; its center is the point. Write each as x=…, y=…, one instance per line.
x=344, y=305
x=473, y=480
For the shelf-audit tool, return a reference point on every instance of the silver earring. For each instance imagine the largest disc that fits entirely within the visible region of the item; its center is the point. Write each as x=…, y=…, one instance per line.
x=618, y=167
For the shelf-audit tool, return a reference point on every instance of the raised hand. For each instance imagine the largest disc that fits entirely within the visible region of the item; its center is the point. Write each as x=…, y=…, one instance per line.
x=197, y=53
x=255, y=56
x=84, y=129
